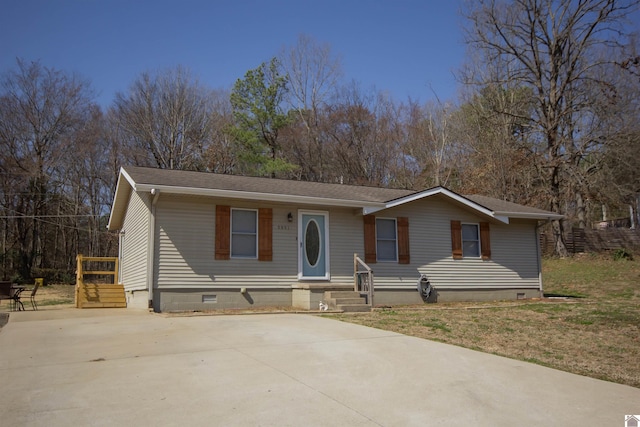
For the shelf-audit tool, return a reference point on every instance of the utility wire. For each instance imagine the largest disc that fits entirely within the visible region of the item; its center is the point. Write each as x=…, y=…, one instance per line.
x=49, y=216
x=38, y=218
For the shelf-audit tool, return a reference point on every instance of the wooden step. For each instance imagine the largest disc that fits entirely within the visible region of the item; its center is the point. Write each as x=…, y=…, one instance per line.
x=341, y=294
x=103, y=305
x=347, y=301
x=358, y=300
x=91, y=295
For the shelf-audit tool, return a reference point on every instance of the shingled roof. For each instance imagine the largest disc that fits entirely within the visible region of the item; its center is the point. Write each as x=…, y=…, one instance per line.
x=369, y=199
x=505, y=207
x=236, y=183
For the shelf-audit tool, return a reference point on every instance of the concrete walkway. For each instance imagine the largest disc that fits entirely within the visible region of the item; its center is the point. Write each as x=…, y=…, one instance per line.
x=132, y=368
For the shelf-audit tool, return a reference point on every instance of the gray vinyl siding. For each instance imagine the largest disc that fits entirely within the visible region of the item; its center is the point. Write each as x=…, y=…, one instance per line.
x=346, y=238
x=185, y=238
x=513, y=263
x=136, y=242
x=186, y=247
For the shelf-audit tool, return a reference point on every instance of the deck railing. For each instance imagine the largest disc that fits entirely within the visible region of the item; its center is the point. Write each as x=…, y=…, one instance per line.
x=363, y=278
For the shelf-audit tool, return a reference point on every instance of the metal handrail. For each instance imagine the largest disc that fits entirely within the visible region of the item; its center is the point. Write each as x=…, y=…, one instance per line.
x=363, y=279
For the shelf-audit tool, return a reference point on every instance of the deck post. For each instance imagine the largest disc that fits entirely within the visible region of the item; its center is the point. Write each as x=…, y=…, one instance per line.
x=79, y=276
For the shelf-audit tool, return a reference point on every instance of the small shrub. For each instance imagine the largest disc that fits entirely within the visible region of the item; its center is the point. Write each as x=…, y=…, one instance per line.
x=53, y=275
x=622, y=254
x=17, y=278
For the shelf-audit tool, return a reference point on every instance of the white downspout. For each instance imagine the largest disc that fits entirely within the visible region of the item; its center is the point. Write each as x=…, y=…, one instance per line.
x=539, y=255
x=151, y=249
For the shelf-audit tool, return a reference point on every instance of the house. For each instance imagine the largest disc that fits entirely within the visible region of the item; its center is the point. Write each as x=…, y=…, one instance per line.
x=202, y=241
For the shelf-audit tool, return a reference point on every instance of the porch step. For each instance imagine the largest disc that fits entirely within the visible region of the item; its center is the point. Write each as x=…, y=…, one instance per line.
x=90, y=295
x=347, y=301
x=354, y=308
x=341, y=294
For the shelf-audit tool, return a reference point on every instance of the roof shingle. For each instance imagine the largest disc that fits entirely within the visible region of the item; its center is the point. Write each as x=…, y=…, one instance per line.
x=339, y=193
x=179, y=178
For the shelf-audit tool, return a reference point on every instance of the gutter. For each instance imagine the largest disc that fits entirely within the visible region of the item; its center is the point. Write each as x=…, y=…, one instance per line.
x=248, y=195
x=547, y=217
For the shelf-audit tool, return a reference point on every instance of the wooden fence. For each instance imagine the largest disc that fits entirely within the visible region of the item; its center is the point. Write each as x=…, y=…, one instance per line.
x=589, y=240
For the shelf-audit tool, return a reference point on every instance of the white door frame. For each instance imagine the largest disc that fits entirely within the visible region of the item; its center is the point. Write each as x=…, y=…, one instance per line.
x=324, y=245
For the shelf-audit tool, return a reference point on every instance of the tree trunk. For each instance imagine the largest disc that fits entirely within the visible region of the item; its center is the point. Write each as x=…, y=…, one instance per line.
x=560, y=248
x=580, y=208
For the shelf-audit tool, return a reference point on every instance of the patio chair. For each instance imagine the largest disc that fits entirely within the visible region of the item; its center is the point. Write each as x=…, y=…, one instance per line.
x=32, y=297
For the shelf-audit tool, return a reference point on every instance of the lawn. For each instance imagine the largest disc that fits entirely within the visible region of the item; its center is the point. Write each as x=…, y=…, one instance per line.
x=57, y=294
x=595, y=333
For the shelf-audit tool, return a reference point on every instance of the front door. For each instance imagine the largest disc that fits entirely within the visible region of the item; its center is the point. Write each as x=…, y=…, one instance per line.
x=313, y=255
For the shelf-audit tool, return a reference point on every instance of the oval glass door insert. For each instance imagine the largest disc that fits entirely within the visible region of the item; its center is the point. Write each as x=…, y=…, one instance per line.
x=312, y=242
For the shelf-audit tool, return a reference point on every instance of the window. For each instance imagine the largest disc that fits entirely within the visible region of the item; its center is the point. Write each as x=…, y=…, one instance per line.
x=244, y=233
x=386, y=240
x=470, y=241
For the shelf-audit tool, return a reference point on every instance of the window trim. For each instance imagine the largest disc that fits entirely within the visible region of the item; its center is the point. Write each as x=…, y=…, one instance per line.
x=231, y=233
x=462, y=240
x=395, y=230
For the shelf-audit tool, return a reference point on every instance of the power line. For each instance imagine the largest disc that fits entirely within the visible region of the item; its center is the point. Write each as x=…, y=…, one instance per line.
x=40, y=219
x=48, y=216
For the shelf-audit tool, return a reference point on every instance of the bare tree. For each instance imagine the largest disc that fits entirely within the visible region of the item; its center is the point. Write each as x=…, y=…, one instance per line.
x=164, y=120
x=553, y=48
x=498, y=151
x=221, y=156
x=431, y=141
x=41, y=109
x=364, y=131
x=614, y=175
x=313, y=79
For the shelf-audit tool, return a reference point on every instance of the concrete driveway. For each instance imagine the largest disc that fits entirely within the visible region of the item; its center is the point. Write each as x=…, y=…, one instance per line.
x=132, y=368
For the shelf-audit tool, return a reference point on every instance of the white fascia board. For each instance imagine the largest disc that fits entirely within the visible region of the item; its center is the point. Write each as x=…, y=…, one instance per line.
x=124, y=173
x=234, y=194
x=458, y=198
x=372, y=209
x=117, y=197
x=531, y=215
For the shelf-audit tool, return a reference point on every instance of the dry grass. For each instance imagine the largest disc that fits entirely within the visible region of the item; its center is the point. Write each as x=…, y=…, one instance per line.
x=55, y=295
x=50, y=295
x=596, y=333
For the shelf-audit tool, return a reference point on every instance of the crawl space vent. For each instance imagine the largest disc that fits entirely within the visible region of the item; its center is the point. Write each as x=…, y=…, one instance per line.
x=209, y=299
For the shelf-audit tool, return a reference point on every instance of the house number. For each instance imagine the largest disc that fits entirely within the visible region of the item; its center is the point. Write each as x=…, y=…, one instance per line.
x=283, y=227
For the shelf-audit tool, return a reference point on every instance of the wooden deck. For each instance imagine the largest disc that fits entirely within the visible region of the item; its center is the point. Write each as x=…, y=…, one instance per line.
x=98, y=295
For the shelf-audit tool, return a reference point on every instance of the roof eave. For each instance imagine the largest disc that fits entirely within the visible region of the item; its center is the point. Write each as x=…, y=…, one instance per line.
x=448, y=193
x=532, y=215
x=120, y=199
x=236, y=194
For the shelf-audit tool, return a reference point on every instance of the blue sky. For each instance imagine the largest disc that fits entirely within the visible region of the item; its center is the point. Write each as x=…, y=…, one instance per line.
x=411, y=48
